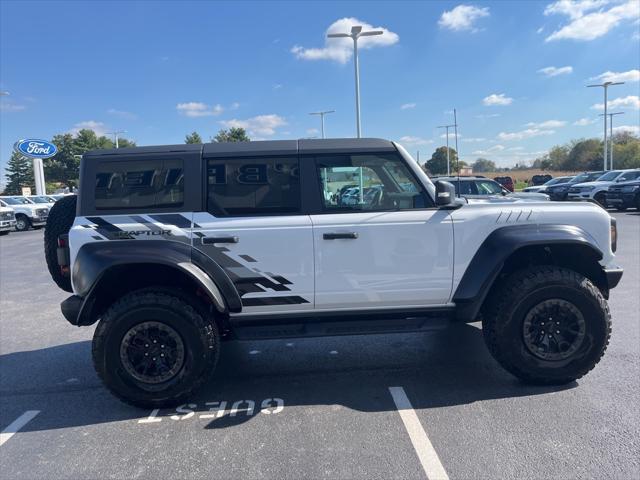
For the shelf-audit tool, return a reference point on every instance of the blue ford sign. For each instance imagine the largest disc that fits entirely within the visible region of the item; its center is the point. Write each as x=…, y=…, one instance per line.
x=34, y=148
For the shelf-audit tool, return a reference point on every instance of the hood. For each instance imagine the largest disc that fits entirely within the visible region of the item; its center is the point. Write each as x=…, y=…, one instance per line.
x=529, y=195
x=593, y=184
x=629, y=183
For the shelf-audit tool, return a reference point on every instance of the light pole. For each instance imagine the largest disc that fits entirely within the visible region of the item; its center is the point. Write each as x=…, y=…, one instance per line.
x=322, y=114
x=356, y=33
x=115, y=135
x=611, y=135
x=605, y=85
x=447, y=127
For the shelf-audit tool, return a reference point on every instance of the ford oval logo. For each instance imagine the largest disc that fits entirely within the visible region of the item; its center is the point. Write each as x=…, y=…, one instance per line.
x=34, y=148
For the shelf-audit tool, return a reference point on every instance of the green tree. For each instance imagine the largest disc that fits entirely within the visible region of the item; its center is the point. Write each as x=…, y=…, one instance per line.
x=234, y=134
x=626, y=150
x=64, y=166
x=585, y=155
x=193, y=137
x=483, y=165
x=19, y=173
x=437, y=165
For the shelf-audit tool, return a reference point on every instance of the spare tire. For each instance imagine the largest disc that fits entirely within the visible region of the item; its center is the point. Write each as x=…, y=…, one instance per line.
x=59, y=222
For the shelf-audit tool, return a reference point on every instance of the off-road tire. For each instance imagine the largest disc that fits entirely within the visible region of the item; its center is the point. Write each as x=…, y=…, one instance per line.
x=59, y=222
x=517, y=295
x=22, y=223
x=200, y=338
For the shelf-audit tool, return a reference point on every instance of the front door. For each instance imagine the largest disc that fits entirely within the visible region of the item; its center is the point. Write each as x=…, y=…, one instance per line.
x=380, y=242
x=254, y=230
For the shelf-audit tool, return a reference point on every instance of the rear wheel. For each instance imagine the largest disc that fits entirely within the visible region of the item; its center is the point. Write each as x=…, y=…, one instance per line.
x=547, y=325
x=22, y=223
x=59, y=222
x=154, y=349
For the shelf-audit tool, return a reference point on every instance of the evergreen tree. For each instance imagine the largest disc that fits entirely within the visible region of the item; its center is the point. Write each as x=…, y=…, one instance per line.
x=234, y=134
x=19, y=173
x=193, y=137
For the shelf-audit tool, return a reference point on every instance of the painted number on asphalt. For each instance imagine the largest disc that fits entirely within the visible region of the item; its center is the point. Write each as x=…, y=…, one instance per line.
x=217, y=410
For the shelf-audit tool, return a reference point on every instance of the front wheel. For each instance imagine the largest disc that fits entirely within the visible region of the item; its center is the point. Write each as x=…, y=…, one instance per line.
x=22, y=223
x=154, y=349
x=547, y=325
x=601, y=198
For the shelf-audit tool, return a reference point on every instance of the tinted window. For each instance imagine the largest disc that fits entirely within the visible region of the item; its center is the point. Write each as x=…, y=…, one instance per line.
x=629, y=176
x=253, y=186
x=486, y=187
x=368, y=183
x=139, y=184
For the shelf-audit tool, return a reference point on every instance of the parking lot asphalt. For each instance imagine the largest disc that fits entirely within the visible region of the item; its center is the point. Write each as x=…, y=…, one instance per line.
x=313, y=408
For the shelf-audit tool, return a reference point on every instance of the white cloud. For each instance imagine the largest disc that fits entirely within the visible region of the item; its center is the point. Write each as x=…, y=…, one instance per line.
x=451, y=134
x=573, y=8
x=474, y=140
x=312, y=132
x=555, y=71
x=407, y=106
x=490, y=150
x=630, y=101
x=341, y=49
x=11, y=107
x=589, y=26
x=583, y=122
x=487, y=115
x=521, y=135
x=199, y=109
x=98, y=127
x=277, y=86
x=462, y=17
x=260, y=126
x=122, y=114
x=497, y=99
x=547, y=125
x=634, y=129
x=234, y=106
x=409, y=140
x=630, y=76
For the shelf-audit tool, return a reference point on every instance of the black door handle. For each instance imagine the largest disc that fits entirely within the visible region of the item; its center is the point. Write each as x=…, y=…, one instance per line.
x=338, y=235
x=209, y=240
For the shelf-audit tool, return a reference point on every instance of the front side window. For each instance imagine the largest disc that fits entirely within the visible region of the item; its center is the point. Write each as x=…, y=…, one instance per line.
x=488, y=188
x=609, y=176
x=139, y=184
x=368, y=183
x=253, y=186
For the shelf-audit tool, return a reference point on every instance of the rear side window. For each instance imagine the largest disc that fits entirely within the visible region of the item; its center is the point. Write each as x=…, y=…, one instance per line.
x=253, y=186
x=139, y=184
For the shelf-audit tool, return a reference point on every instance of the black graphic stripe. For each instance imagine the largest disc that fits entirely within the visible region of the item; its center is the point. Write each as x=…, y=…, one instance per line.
x=247, y=258
x=109, y=230
x=270, y=301
x=174, y=219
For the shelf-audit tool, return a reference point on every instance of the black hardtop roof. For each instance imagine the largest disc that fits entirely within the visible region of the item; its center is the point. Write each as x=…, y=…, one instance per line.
x=262, y=147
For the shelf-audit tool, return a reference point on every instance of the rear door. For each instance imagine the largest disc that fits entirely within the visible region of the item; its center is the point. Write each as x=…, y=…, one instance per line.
x=254, y=229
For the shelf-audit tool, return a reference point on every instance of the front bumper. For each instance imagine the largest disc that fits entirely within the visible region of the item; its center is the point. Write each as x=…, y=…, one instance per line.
x=557, y=196
x=613, y=274
x=7, y=225
x=621, y=199
x=576, y=197
x=38, y=221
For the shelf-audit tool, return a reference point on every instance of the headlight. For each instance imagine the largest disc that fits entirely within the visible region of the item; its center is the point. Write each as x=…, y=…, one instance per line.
x=586, y=189
x=631, y=188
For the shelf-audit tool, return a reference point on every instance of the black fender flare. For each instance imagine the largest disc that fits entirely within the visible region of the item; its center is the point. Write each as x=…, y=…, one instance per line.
x=487, y=263
x=93, y=260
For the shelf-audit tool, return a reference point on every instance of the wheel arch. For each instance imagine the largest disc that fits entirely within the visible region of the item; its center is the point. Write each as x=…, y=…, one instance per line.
x=508, y=249
x=103, y=271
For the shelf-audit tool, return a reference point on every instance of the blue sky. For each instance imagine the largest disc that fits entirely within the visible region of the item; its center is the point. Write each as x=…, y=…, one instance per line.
x=515, y=71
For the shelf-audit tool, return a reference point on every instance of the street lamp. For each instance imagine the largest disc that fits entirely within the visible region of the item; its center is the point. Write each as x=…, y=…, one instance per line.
x=611, y=135
x=115, y=135
x=356, y=33
x=605, y=85
x=447, y=127
x=322, y=114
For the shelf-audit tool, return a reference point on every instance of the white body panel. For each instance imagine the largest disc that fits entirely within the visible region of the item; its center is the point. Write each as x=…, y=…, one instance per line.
x=399, y=259
x=271, y=250
x=474, y=222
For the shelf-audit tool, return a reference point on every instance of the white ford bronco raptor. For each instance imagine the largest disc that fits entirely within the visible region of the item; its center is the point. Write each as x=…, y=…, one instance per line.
x=175, y=248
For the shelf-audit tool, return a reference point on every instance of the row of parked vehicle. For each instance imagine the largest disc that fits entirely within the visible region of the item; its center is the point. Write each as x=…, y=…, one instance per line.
x=612, y=189
x=24, y=212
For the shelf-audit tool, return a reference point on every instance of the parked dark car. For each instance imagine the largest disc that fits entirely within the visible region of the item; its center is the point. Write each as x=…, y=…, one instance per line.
x=506, y=182
x=559, y=191
x=624, y=195
x=539, y=179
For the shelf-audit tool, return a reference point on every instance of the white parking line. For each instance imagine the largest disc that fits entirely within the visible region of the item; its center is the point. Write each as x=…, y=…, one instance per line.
x=17, y=424
x=426, y=453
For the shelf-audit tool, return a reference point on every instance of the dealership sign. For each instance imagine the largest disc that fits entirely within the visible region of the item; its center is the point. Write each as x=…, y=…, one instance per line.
x=34, y=148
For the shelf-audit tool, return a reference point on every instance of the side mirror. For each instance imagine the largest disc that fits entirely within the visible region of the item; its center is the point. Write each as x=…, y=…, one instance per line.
x=445, y=193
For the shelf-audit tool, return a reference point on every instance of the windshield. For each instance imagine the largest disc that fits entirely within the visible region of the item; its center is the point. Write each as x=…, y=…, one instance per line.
x=586, y=177
x=553, y=181
x=39, y=199
x=610, y=176
x=16, y=201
